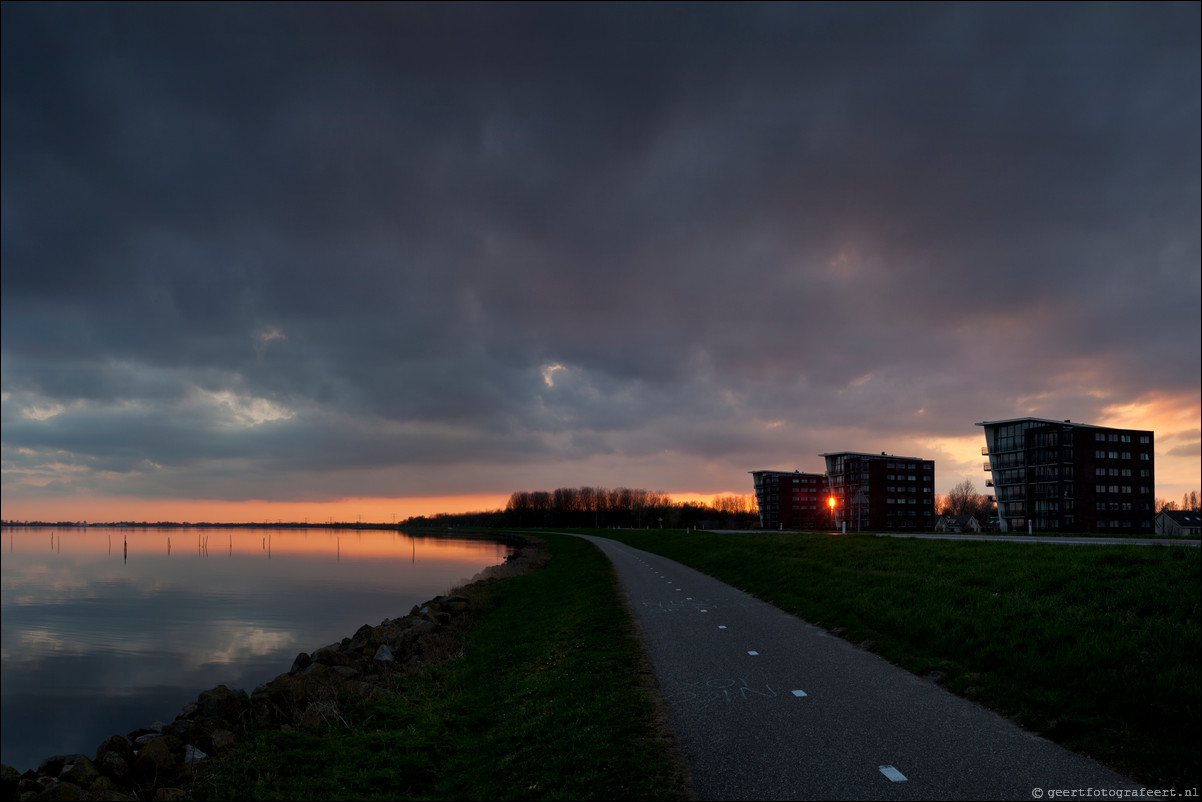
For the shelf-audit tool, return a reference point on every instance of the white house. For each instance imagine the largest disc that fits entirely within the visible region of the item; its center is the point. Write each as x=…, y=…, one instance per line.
x=1179, y=523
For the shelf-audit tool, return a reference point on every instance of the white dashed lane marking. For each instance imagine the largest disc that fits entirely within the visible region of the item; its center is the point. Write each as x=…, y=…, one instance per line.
x=893, y=774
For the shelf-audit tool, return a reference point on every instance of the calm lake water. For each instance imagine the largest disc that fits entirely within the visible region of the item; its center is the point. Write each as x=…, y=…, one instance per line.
x=105, y=631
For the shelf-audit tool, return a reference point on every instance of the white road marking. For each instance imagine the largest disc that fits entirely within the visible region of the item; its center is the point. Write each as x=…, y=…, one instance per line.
x=799, y=694
x=753, y=653
x=893, y=774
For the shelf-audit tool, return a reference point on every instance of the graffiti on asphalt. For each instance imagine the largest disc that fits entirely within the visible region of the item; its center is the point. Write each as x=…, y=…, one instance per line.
x=719, y=690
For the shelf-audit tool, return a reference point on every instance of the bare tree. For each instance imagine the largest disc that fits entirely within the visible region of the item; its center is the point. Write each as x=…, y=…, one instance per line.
x=965, y=500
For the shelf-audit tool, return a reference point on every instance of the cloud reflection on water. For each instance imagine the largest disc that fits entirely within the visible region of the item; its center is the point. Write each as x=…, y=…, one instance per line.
x=84, y=625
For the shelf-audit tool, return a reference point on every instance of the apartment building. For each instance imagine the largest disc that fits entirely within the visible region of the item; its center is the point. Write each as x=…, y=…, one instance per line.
x=881, y=491
x=791, y=500
x=1052, y=475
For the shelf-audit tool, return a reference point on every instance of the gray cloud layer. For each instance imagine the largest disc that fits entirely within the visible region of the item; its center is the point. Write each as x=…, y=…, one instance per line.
x=301, y=251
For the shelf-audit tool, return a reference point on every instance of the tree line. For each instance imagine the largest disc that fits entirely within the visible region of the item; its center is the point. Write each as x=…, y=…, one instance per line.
x=1189, y=501
x=601, y=507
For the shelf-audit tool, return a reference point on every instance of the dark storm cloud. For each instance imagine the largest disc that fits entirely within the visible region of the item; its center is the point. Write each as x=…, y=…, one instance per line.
x=237, y=238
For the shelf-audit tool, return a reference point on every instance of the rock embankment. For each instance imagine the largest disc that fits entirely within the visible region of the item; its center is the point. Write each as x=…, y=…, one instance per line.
x=154, y=763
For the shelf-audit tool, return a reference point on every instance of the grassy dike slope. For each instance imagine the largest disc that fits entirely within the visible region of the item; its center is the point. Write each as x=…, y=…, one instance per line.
x=1098, y=648
x=549, y=700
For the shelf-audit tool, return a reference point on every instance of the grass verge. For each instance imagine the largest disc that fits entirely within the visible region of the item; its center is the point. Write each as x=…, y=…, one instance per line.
x=550, y=700
x=1098, y=648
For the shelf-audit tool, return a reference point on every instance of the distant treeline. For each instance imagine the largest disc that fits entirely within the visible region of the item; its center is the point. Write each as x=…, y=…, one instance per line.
x=601, y=507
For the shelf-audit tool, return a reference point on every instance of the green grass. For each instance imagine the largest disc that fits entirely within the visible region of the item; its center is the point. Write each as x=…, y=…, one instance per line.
x=1096, y=647
x=549, y=701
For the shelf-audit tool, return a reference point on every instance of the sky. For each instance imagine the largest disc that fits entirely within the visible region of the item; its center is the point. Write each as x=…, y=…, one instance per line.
x=276, y=261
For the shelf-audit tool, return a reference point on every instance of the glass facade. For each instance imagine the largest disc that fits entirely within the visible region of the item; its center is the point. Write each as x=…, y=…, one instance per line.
x=1046, y=473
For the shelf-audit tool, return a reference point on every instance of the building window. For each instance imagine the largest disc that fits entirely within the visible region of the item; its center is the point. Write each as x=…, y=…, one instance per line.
x=1143, y=438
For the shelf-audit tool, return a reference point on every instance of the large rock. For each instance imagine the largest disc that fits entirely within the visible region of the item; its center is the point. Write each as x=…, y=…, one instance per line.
x=10, y=780
x=81, y=772
x=53, y=766
x=223, y=703
x=300, y=663
x=106, y=788
x=155, y=764
x=68, y=792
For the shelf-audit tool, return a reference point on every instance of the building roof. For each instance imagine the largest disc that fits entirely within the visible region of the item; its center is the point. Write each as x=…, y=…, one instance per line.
x=877, y=456
x=791, y=473
x=1184, y=517
x=1039, y=420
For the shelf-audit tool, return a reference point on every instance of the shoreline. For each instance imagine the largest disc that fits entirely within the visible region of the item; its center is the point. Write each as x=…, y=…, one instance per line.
x=162, y=758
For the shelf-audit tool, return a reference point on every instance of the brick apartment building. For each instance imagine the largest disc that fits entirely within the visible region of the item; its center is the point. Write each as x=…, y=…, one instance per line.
x=1052, y=475
x=793, y=500
x=881, y=491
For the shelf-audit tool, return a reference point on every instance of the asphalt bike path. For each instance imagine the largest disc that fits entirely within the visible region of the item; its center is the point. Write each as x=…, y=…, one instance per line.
x=765, y=706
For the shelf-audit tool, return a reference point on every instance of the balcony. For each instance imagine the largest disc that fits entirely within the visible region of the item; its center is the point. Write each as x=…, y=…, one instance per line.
x=987, y=467
x=989, y=483
x=984, y=451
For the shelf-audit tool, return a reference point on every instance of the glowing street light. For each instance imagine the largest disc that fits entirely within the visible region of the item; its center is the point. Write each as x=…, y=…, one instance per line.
x=830, y=501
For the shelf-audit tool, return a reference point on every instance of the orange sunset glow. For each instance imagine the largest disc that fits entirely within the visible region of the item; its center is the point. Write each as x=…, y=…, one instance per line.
x=357, y=544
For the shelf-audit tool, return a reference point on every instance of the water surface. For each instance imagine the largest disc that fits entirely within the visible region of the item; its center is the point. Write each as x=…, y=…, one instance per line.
x=105, y=630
